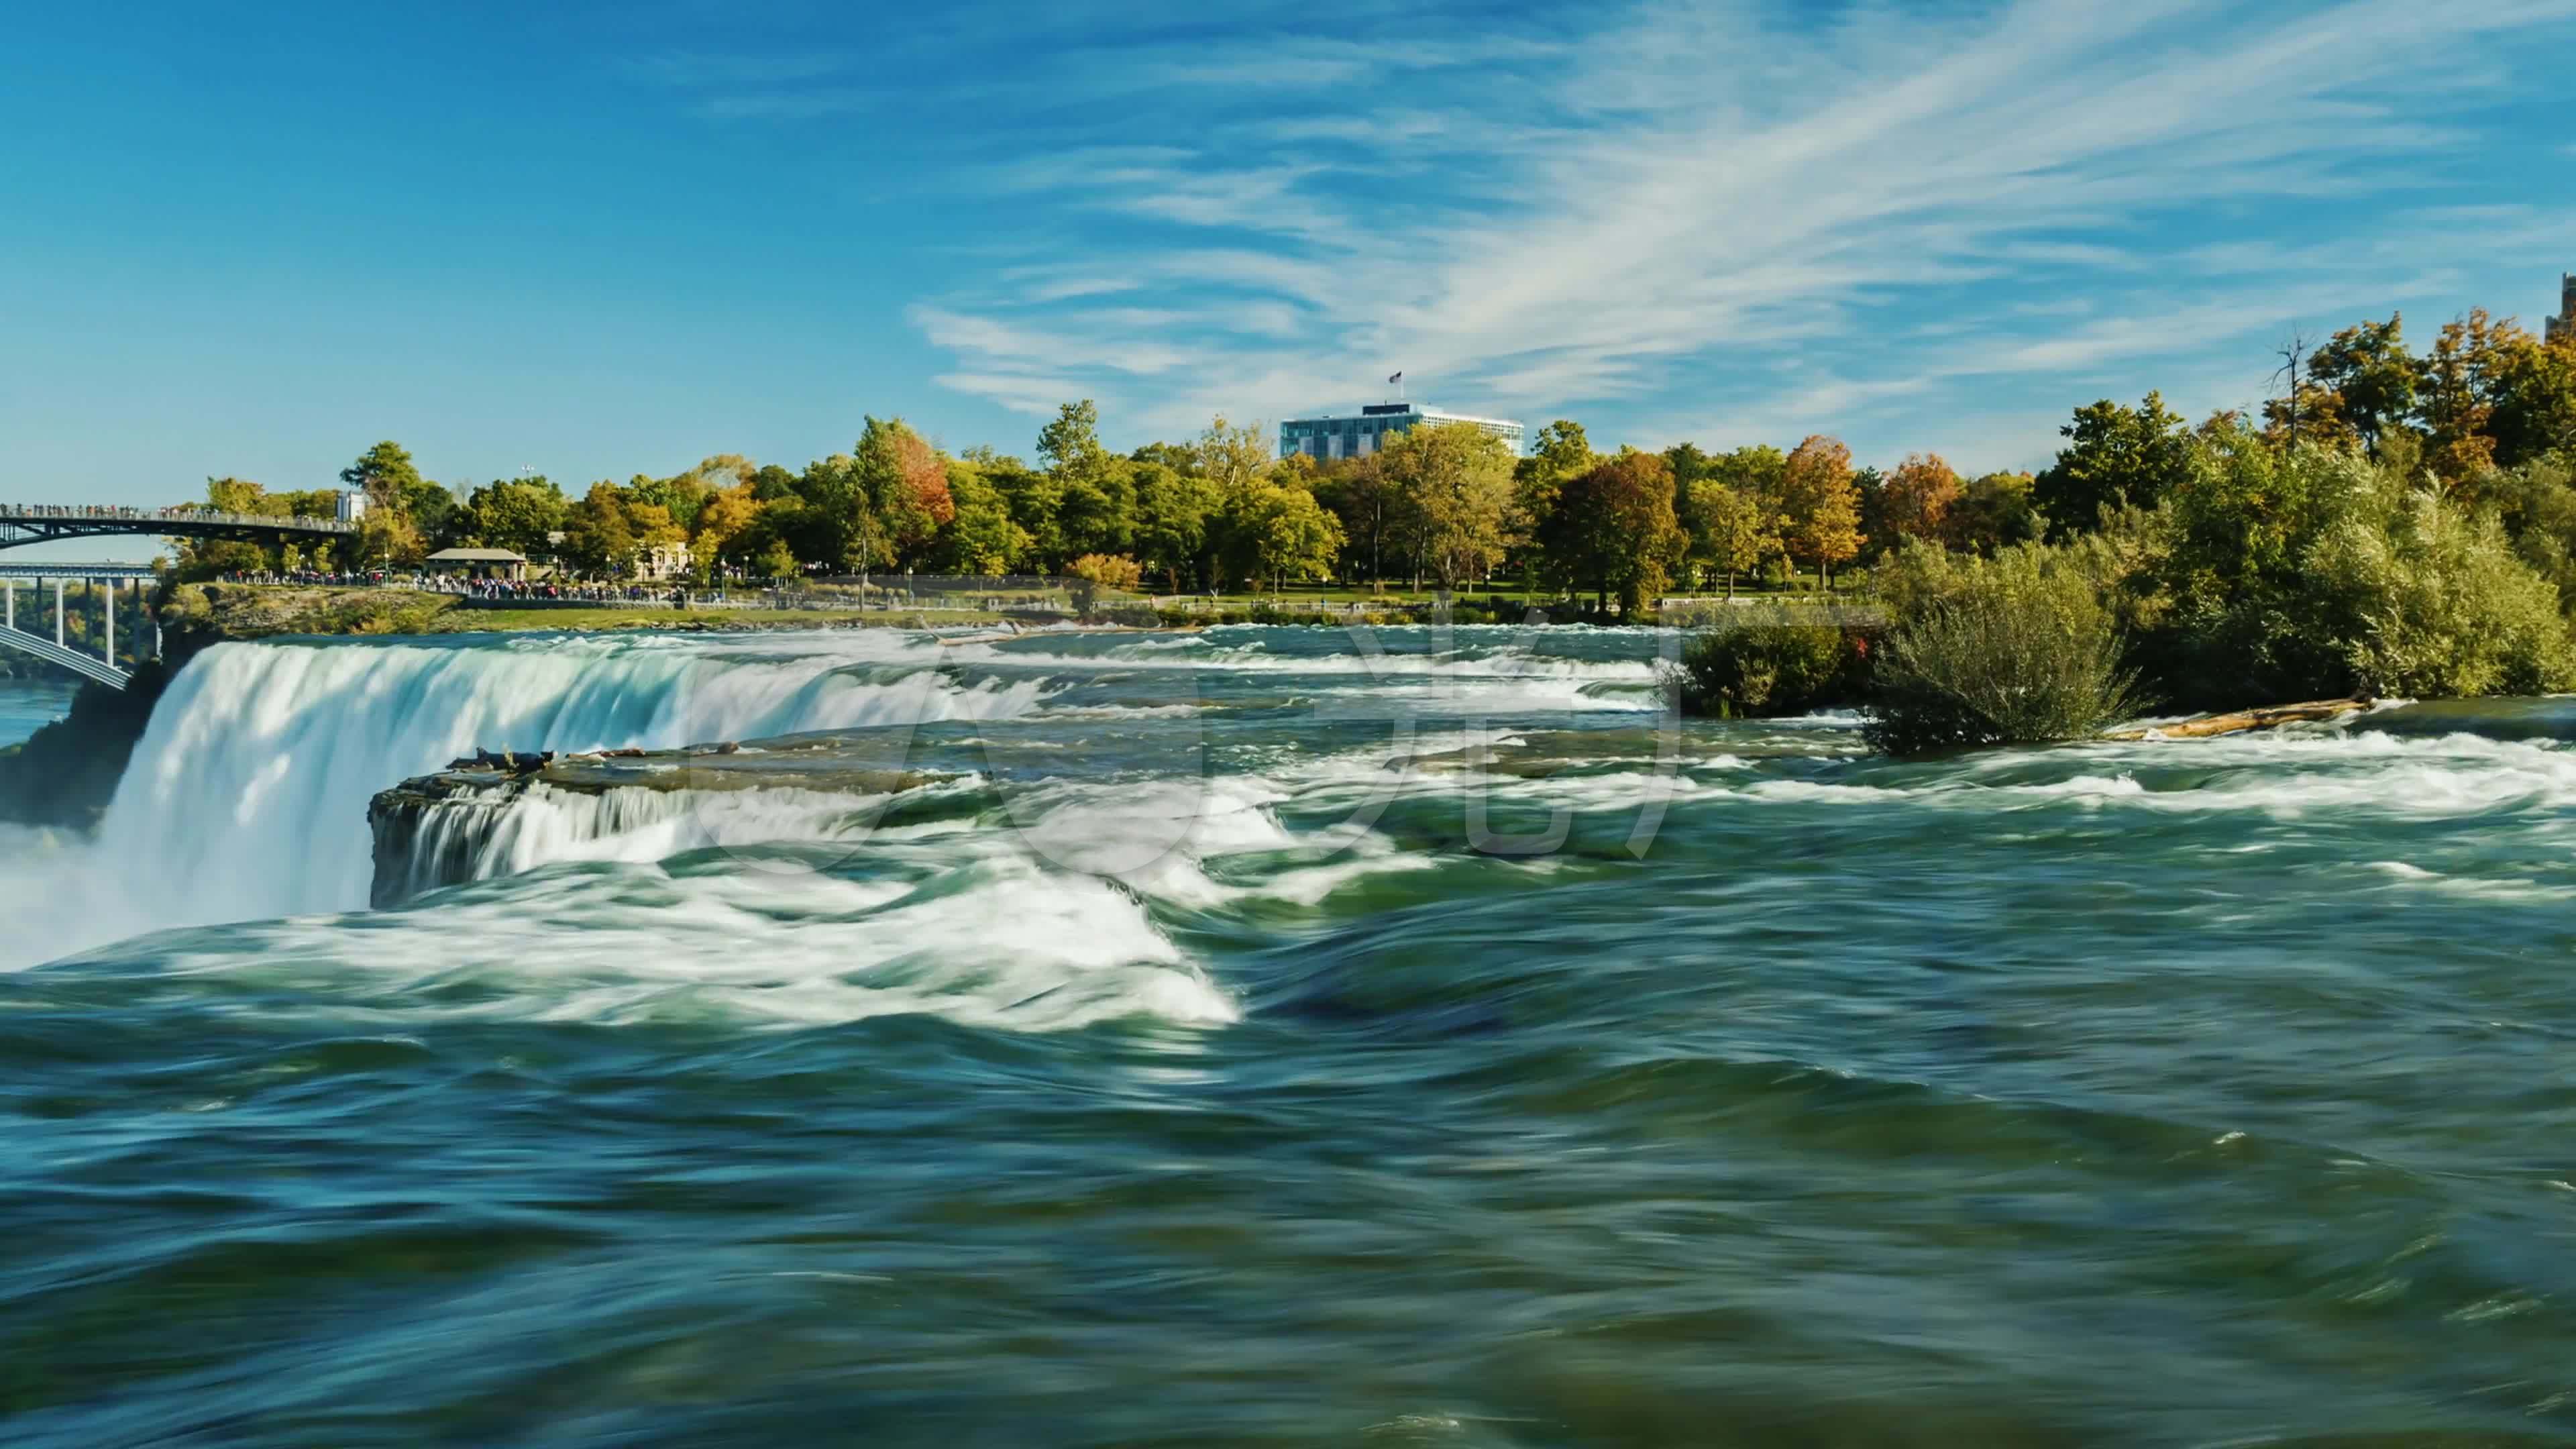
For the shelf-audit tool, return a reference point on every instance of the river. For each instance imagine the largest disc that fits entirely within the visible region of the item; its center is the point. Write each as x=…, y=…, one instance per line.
x=1276, y=1037
x=28, y=705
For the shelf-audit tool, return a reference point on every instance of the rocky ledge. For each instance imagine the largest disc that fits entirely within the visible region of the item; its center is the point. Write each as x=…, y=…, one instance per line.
x=443, y=828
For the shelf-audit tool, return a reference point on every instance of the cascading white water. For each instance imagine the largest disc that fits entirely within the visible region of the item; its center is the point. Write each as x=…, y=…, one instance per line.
x=466, y=837
x=247, y=795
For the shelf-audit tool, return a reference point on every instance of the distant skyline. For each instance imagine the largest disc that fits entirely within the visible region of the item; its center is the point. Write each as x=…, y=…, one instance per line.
x=596, y=241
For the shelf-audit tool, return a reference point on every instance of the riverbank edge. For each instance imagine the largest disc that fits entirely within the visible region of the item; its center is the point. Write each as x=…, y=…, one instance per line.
x=65, y=774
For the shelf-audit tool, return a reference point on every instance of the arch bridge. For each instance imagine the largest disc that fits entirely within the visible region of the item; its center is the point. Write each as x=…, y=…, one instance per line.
x=26, y=523
x=106, y=579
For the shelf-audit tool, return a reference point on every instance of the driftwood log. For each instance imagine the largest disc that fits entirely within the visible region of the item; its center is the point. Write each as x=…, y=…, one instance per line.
x=2244, y=719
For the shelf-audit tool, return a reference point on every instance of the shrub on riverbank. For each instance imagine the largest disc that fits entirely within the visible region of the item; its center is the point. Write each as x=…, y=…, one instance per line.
x=1766, y=664
x=2437, y=606
x=2265, y=574
x=2273, y=574
x=2019, y=648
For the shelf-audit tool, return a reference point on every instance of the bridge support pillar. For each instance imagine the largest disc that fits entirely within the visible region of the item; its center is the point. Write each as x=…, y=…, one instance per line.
x=107, y=641
x=12, y=611
x=58, y=613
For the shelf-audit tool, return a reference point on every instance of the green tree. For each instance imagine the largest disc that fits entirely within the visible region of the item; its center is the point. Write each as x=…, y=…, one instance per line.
x=2360, y=385
x=1181, y=458
x=1612, y=529
x=1232, y=457
x=2535, y=399
x=1561, y=450
x=597, y=538
x=979, y=537
x=1174, y=511
x=835, y=528
x=1070, y=445
x=685, y=493
x=1035, y=503
x=1272, y=533
x=405, y=512
x=1558, y=452
x=1373, y=508
x=1732, y=530
x=906, y=487
x=517, y=514
x=205, y=558
x=2458, y=400
x=1097, y=511
x=388, y=537
x=728, y=530
x=386, y=475
x=1994, y=512
x=2115, y=457
x=1457, y=479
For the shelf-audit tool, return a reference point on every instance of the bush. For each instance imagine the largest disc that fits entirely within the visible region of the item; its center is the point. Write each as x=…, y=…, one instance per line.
x=2538, y=504
x=1095, y=574
x=1767, y=665
x=2017, y=649
x=2309, y=573
x=2437, y=606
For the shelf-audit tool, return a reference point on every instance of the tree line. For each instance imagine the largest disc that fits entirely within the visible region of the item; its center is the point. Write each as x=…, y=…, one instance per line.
x=2392, y=524
x=1444, y=505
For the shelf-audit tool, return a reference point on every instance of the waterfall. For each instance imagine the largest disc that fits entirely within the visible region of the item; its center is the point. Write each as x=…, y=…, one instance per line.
x=481, y=835
x=247, y=796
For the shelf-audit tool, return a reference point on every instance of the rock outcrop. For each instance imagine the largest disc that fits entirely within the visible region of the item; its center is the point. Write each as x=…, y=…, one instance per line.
x=455, y=825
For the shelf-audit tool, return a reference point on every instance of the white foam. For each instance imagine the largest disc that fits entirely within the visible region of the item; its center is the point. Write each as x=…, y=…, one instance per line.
x=994, y=942
x=247, y=795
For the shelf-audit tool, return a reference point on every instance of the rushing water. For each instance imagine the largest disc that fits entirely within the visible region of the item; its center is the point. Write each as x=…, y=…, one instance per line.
x=1266, y=1037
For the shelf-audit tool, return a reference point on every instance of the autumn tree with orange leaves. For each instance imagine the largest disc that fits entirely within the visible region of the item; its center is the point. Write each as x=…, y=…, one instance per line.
x=906, y=488
x=1916, y=499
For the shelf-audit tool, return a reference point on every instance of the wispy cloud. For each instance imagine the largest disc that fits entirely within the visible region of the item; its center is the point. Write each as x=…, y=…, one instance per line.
x=1726, y=211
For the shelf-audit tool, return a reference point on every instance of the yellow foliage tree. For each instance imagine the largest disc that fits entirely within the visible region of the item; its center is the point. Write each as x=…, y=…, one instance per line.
x=1822, y=504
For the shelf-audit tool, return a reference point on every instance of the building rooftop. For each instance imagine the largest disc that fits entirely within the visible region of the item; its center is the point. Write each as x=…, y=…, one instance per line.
x=476, y=555
x=1403, y=409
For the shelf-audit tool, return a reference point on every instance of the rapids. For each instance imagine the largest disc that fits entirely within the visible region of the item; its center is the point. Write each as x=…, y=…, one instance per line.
x=1275, y=1036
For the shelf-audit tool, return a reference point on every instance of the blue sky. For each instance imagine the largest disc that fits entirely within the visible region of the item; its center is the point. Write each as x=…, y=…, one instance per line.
x=601, y=240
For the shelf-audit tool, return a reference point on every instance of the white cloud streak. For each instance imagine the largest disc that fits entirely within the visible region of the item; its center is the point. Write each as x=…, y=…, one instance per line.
x=1717, y=212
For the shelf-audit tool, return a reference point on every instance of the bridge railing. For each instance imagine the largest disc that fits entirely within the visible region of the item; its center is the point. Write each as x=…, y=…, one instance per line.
x=184, y=513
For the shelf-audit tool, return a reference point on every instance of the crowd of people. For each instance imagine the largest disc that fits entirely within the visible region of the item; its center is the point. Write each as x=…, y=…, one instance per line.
x=323, y=578
x=544, y=591
x=183, y=513
x=557, y=591
x=498, y=590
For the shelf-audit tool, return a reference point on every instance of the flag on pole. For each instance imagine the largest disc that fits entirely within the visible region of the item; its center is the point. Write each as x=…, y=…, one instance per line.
x=1399, y=377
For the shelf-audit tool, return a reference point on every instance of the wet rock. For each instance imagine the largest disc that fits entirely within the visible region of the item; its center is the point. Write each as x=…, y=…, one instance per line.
x=430, y=830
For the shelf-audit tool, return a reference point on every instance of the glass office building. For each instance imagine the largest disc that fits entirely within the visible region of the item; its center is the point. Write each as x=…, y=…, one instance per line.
x=1364, y=432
